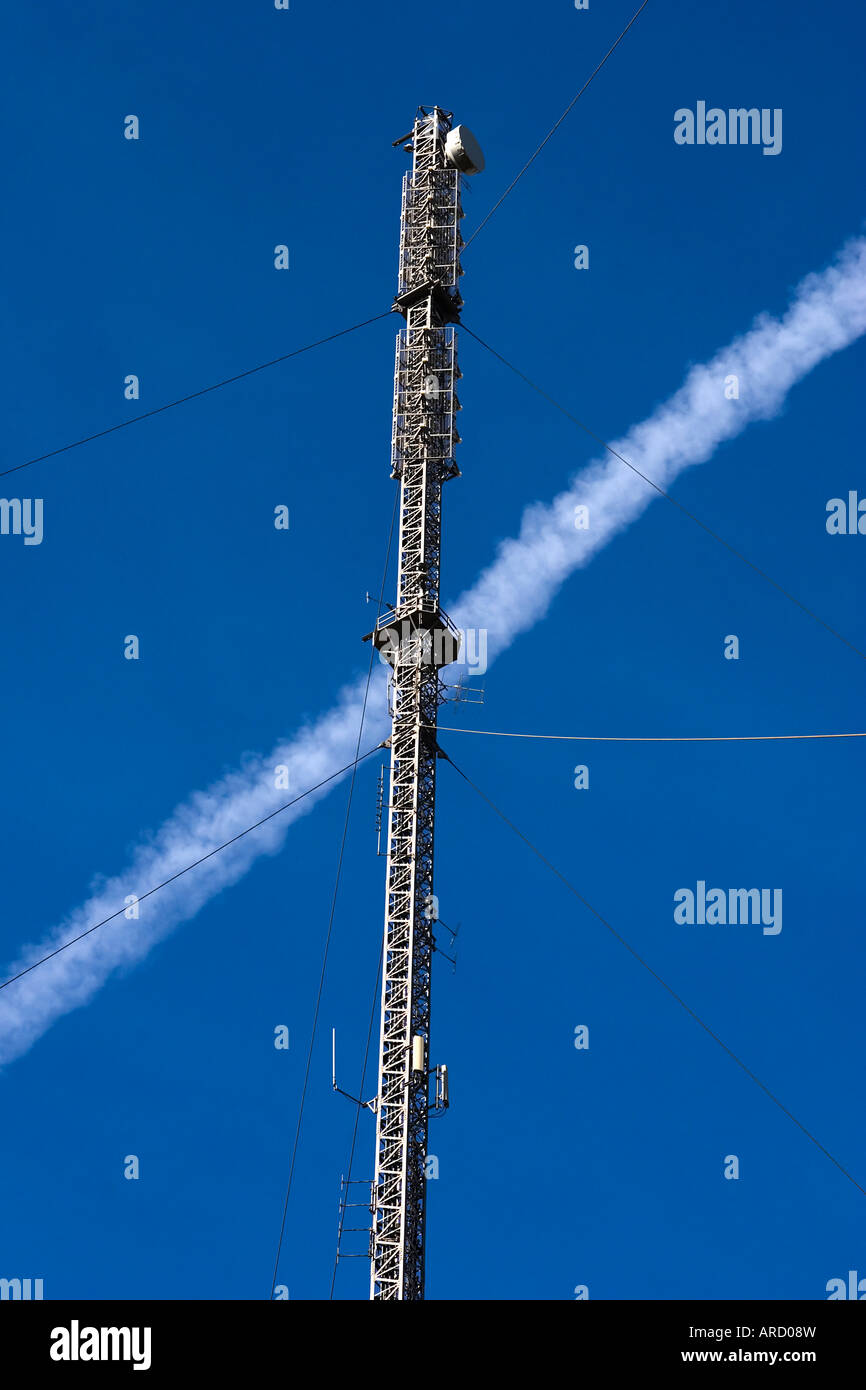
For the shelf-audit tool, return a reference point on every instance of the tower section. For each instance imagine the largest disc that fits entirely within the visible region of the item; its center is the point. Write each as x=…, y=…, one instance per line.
x=416, y=639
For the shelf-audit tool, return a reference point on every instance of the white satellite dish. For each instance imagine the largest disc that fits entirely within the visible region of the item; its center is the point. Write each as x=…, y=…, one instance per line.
x=463, y=150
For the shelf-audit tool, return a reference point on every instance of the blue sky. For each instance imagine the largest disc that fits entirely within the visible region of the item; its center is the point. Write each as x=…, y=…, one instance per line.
x=155, y=257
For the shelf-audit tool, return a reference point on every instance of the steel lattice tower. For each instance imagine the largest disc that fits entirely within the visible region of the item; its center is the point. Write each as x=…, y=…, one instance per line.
x=417, y=639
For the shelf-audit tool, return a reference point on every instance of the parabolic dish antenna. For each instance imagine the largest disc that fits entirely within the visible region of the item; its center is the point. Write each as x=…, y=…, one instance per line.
x=463, y=150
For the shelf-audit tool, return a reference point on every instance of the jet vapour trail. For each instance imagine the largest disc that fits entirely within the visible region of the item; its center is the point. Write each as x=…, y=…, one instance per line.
x=826, y=314
x=206, y=819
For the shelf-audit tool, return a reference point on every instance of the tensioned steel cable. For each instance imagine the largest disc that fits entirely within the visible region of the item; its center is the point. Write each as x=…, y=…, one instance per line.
x=662, y=493
x=210, y=854
x=373, y=651
x=217, y=385
x=555, y=127
x=641, y=738
x=672, y=992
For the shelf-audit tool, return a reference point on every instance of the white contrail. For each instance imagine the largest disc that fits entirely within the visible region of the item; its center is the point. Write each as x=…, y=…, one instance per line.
x=828, y=313
x=206, y=819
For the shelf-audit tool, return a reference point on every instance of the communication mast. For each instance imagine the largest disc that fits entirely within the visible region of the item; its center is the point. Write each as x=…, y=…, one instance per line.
x=416, y=638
